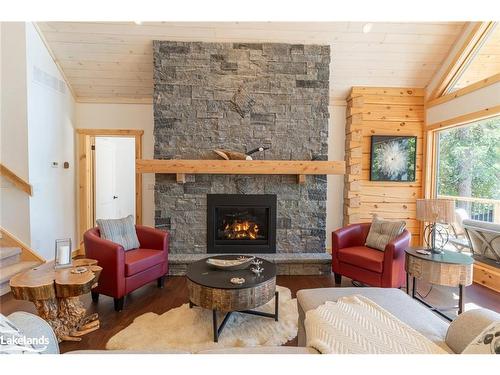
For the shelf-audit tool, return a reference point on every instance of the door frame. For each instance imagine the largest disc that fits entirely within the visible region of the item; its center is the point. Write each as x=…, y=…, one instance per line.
x=86, y=175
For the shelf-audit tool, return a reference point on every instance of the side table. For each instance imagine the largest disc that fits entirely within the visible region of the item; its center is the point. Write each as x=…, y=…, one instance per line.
x=55, y=294
x=448, y=269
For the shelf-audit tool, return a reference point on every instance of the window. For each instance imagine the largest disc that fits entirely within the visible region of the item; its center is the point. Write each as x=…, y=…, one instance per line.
x=485, y=63
x=469, y=168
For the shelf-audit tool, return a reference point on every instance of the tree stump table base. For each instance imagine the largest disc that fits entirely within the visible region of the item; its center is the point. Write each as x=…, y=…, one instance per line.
x=67, y=317
x=54, y=292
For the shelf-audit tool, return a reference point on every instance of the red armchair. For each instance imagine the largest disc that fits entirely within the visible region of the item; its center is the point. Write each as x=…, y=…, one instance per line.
x=351, y=258
x=124, y=271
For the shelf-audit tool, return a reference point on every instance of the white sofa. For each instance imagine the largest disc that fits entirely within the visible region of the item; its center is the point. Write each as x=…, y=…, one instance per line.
x=452, y=337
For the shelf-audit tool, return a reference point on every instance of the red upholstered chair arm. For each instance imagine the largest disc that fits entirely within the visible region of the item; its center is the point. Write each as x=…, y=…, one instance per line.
x=396, y=248
x=151, y=238
x=99, y=248
x=394, y=261
x=352, y=235
x=111, y=257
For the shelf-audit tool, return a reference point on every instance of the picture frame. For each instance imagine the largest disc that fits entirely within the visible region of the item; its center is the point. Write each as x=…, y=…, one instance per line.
x=393, y=158
x=63, y=258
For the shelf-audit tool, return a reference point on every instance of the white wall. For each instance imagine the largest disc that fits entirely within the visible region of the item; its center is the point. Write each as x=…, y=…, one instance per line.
x=478, y=100
x=14, y=129
x=336, y=151
x=125, y=116
x=50, y=139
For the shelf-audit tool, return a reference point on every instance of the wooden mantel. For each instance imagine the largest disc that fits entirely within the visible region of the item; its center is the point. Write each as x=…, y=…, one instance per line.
x=261, y=167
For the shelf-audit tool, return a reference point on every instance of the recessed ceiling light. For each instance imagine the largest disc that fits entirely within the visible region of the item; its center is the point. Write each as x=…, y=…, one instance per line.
x=367, y=27
x=138, y=22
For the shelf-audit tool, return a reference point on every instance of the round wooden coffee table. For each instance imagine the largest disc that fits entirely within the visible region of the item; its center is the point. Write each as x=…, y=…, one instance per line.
x=212, y=289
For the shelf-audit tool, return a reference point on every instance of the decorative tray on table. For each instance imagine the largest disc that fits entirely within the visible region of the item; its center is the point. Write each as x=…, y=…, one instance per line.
x=230, y=264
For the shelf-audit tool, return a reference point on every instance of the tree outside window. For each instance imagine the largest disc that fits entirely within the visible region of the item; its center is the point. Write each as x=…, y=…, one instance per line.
x=469, y=166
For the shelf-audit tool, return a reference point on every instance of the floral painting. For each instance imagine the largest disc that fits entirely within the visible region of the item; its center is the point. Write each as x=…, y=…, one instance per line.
x=393, y=158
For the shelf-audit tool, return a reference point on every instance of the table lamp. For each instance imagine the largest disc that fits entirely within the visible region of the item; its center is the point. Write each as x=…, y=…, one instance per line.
x=435, y=211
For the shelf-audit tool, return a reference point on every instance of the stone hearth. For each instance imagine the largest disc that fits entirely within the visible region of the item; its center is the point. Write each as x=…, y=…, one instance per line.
x=286, y=263
x=240, y=96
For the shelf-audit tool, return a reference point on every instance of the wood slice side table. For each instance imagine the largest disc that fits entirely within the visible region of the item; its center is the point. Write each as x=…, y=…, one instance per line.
x=447, y=269
x=55, y=294
x=211, y=289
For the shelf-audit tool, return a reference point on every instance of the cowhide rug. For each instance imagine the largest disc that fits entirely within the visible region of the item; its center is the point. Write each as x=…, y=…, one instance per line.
x=190, y=330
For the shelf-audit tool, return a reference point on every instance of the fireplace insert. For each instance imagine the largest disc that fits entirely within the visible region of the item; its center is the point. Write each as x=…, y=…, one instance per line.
x=241, y=223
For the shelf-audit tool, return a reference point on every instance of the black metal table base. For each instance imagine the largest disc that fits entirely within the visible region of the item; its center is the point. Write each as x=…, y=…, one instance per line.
x=218, y=329
x=438, y=311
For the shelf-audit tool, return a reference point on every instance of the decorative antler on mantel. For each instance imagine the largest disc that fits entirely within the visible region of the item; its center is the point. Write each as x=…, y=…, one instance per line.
x=235, y=155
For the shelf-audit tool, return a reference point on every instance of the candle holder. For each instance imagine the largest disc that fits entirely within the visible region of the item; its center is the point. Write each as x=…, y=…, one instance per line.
x=257, y=269
x=63, y=253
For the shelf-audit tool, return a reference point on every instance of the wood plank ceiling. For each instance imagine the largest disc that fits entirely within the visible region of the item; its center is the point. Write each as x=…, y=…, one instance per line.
x=112, y=61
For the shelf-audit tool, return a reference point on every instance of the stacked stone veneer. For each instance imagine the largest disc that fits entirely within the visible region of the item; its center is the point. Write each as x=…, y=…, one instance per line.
x=240, y=96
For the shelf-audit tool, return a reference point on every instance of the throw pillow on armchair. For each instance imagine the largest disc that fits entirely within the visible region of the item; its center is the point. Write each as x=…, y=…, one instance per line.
x=382, y=232
x=120, y=231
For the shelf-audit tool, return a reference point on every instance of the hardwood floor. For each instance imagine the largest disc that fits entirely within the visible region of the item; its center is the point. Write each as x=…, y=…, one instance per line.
x=151, y=299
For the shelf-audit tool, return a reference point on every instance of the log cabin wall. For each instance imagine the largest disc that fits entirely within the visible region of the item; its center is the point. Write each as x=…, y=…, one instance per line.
x=382, y=111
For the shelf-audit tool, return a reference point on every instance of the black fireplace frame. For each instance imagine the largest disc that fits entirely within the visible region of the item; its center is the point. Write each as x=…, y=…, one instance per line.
x=241, y=200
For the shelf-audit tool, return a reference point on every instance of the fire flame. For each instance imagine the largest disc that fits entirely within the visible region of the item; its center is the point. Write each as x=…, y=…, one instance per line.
x=241, y=230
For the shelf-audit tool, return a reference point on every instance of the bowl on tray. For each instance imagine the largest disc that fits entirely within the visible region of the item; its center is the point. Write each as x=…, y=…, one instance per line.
x=230, y=264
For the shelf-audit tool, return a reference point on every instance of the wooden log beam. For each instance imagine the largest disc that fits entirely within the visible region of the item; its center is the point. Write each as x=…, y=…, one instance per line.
x=274, y=167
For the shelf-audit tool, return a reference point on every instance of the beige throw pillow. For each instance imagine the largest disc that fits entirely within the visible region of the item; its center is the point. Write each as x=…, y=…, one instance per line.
x=382, y=232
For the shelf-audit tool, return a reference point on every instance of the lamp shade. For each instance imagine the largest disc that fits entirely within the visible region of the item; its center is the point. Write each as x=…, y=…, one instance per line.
x=436, y=210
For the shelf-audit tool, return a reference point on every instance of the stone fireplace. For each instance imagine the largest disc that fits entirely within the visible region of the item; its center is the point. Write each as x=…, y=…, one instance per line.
x=241, y=223
x=240, y=96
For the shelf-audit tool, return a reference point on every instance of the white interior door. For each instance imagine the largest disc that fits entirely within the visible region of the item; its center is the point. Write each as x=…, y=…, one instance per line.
x=114, y=177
